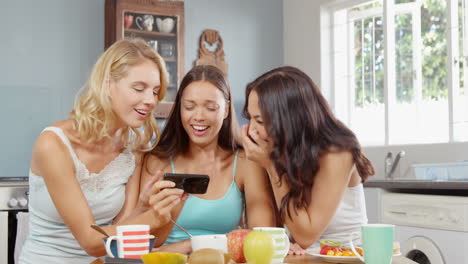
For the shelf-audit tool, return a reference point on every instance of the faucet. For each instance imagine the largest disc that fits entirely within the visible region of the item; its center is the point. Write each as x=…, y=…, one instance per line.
x=391, y=164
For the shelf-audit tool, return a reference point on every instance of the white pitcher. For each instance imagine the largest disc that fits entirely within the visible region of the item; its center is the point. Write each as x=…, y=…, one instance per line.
x=145, y=23
x=165, y=25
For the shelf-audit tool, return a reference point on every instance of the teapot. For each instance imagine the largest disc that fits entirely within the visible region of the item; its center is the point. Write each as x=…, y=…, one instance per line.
x=145, y=23
x=165, y=25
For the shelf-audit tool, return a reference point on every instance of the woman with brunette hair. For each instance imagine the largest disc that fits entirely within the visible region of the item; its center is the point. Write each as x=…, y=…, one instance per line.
x=314, y=161
x=86, y=169
x=201, y=137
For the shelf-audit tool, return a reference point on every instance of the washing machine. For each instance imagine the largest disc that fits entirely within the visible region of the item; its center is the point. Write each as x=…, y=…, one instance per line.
x=431, y=229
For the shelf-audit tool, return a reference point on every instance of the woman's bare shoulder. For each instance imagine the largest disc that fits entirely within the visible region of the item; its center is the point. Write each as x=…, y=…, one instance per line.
x=49, y=140
x=336, y=163
x=343, y=157
x=243, y=161
x=47, y=148
x=154, y=163
x=247, y=167
x=68, y=128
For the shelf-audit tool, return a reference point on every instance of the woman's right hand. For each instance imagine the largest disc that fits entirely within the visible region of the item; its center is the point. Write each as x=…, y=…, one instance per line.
x=256, y=148
x=161, y=197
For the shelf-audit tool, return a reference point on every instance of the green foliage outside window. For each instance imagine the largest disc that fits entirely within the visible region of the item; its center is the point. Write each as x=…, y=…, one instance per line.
x=369, y=52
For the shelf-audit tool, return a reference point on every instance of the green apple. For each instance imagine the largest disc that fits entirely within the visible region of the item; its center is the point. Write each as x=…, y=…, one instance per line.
x=258, y=248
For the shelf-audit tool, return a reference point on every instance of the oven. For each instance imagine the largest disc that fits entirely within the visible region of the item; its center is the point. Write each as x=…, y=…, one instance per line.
x=14, y=193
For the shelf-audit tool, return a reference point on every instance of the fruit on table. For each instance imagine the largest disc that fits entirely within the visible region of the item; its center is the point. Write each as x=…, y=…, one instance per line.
x=235, y=244
x=345, y=252
x=324, y=250
x=164, y=258
x=359, y=250
x=258, y=248
x=330, y=242
x=227, y=258
x=207, y=256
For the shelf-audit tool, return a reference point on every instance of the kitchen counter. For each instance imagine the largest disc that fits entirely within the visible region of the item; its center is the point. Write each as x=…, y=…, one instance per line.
x=443, y=187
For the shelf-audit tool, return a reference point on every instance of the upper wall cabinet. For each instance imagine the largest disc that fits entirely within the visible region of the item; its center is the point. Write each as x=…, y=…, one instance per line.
x=161, y=25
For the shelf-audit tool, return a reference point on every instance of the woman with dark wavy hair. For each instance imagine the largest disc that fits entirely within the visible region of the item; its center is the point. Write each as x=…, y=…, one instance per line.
x=314, y=161
x=201, y=136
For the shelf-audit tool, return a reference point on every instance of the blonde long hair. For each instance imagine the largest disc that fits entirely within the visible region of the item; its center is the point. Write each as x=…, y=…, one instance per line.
x=93, y=114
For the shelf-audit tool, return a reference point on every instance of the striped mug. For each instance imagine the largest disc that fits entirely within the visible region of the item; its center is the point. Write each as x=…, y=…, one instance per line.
x=280, y=240
x=132, y=241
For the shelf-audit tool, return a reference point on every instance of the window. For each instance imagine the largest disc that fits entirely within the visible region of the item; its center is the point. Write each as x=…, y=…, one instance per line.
x=417, y=96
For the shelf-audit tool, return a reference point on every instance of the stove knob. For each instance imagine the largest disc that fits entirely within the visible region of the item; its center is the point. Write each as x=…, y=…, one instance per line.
x=12, y=203
x=23, y=202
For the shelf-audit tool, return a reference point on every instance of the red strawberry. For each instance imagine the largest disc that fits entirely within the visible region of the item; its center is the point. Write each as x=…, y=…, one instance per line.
x=324, y=250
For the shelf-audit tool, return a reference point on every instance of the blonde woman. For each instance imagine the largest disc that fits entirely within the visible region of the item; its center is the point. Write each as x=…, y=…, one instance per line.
x=86, y=169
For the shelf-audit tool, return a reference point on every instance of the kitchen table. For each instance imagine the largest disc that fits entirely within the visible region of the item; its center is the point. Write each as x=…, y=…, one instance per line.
x=308, y=259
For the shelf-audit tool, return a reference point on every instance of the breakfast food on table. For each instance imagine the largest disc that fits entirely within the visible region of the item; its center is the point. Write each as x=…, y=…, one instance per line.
x=332, y=247
x=330, y=242
x=339, y=251
x=235, y=244
x=396, y=248
x=164, y=257
x=259, y=248
x=208, y=256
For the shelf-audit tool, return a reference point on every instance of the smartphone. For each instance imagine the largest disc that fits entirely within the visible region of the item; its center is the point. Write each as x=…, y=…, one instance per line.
x=190, y=183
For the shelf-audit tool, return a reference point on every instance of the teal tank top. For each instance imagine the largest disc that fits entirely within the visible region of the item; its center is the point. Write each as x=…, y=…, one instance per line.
x=205, y=217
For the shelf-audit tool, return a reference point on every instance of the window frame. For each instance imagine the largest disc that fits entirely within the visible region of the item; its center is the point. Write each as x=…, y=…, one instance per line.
x=329, y=58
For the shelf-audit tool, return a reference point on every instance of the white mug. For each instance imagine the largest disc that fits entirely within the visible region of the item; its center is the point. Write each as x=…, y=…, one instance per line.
x=132, y=241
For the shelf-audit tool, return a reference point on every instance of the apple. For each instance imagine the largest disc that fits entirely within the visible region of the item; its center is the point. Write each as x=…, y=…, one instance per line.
x=235, y=244
x=259, y=248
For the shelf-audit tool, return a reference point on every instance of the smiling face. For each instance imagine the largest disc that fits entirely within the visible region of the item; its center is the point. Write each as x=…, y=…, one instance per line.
x=256, y=123
x=203, y=109
x=135, y=95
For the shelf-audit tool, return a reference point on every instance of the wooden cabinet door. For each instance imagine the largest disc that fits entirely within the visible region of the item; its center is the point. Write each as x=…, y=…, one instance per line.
x=161, y=25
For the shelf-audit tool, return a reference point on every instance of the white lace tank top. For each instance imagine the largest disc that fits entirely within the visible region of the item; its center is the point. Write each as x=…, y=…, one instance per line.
x=49, y=239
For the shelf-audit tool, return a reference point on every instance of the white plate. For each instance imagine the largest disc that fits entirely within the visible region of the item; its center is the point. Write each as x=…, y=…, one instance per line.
x=337, y=259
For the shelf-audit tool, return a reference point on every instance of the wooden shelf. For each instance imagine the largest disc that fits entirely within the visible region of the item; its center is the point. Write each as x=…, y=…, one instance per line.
x=150, y=33
x=119, y=13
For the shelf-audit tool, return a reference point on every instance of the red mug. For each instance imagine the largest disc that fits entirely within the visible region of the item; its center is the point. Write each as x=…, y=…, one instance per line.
x=128, y=21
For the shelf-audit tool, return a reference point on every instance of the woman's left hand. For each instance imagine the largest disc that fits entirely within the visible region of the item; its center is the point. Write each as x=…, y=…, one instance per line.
x=295, y=249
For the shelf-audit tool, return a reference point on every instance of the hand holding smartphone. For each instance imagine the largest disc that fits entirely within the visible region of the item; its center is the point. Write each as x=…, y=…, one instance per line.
x=190, y=183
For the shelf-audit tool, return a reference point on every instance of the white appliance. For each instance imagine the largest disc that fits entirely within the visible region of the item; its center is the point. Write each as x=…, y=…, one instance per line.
x=432, y=229
x=373, y=204
x=13, y=200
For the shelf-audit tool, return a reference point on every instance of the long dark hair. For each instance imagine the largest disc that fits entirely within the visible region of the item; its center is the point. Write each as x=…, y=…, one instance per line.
x=302, y=126
x=174, y=139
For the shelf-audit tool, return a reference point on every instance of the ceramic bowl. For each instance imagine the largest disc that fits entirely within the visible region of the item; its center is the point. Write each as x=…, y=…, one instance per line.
x=210, y=241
